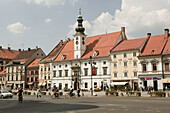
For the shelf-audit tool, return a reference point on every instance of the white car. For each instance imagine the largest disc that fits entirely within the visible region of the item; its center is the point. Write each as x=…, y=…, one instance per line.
x=5, y=94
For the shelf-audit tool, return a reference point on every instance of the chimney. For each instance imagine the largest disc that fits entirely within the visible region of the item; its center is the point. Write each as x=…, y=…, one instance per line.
x=19, y=50
x=123, y=33
x=29, y=49
x=37, y=47
x=9, y=48
x=0, y=47
x=166, y=33
x=68, y=39
x=148, y=35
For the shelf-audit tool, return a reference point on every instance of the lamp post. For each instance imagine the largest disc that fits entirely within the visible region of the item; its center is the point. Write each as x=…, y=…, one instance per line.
x=91, y=76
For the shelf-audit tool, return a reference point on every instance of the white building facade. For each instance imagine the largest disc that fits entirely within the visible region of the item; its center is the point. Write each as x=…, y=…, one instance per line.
x=64, y=74
x=150, y=72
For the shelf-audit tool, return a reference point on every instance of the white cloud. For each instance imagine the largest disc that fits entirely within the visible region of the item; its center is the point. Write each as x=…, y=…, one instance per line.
x=138, y=16
x=48, y=20
x=49, y=3
x=17, y=28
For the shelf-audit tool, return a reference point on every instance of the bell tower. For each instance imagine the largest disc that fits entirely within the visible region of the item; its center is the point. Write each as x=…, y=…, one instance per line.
x=79, y=38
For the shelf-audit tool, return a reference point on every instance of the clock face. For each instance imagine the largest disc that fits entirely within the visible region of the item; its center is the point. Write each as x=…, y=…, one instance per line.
x=77, y=42
x=83, y=42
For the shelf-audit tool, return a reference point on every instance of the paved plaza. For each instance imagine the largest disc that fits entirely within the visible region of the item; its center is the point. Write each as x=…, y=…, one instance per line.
x=86, y=105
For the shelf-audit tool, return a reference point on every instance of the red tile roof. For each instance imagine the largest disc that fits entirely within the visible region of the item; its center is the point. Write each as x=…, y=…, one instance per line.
x=8, y=54
x=167, y=47
x=35, y=63
x=54, y=52
x=25, y=54
x=129, y=45
x=102, y=43
x=154, y=45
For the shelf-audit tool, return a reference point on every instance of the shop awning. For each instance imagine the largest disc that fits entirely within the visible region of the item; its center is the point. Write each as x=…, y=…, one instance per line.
x=30, y=83
x=167, y=80
x=118, y=83
x=10, y=84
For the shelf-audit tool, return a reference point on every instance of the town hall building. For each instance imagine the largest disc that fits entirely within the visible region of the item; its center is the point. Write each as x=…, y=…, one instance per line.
x=73, y=65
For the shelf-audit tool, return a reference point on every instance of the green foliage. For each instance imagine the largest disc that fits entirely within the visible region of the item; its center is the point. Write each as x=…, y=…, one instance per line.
x=158, y=93
x=97, y=90
x=114, y=93
x=43, y=93
x=137, y=93
x=84, y=90
x=66, y=89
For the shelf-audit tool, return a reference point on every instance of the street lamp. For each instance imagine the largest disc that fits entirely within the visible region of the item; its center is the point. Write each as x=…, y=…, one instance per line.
x=91, y=76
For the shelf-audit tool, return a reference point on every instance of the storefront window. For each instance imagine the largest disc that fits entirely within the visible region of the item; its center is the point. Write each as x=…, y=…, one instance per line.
x=86, y=85
x=95, y=84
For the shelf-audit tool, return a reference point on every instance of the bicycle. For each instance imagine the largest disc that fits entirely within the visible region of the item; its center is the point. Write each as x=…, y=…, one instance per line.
x=55, y=95
x=67, y=95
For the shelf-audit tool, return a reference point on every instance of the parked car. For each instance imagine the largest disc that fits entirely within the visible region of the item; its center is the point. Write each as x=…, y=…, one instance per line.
x=5, y=94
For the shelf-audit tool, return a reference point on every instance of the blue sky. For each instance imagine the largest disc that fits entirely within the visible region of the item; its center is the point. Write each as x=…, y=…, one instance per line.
x=43, y=23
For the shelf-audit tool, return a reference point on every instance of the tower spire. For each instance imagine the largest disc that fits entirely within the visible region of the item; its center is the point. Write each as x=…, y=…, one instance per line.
x=80, y=11
x=80, y=29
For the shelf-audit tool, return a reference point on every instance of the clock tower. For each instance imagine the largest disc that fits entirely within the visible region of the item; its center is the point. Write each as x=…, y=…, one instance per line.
x=79, y=38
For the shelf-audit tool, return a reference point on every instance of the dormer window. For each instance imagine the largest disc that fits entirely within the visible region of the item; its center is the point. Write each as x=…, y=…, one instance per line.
x=63, y=57
x=95, y=53
x=152, y=51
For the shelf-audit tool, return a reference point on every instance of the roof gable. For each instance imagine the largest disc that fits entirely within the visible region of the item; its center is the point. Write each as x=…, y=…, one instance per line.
x=25, y=54
x=35, y=63
x=129, y=45
x=55, y=51
x=167, y=47
x=154, y=46
x=102, y=43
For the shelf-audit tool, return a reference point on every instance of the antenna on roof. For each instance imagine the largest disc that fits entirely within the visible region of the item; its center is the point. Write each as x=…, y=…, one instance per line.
x=8, y=45
x=106, y=30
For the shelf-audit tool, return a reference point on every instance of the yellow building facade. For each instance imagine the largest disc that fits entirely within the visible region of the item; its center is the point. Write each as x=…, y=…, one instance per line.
x=125, y=63
x=124, y=67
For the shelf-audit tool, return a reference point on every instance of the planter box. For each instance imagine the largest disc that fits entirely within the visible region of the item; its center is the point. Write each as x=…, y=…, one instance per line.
x=158, y=94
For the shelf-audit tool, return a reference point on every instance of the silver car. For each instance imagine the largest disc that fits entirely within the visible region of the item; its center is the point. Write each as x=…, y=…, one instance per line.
x=5, y=94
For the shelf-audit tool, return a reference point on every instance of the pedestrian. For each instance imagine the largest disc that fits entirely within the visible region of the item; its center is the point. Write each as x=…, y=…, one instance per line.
x=38, y=93
x=71, y=91
x=149, y=89
x=78, y=92
x=20, y=95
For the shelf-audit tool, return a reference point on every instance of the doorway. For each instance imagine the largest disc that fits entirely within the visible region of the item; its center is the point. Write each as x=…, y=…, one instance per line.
x=135, y=86
x=145, y=85
x=155, y=82
x=76, y=84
